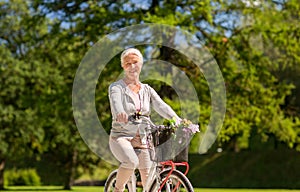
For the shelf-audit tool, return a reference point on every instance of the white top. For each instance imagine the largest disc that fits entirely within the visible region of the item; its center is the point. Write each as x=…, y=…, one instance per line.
x=123, y=100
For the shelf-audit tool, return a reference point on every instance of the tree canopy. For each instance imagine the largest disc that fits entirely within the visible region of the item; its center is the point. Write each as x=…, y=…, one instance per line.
x=43, y=42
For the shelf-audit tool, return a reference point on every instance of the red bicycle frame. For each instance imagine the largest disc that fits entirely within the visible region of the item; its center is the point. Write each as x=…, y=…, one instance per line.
x=173, y=164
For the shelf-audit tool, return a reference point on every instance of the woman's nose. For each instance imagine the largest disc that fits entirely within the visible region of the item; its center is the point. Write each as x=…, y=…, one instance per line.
x=132, y=65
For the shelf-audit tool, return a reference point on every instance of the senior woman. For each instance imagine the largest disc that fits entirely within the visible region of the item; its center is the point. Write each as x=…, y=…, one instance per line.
x=128, y=96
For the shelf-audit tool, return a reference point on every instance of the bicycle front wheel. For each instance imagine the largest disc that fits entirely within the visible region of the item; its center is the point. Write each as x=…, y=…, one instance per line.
x=177, y=181
x=111, y=183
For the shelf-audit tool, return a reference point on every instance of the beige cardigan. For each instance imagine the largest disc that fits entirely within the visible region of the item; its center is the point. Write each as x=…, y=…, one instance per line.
x=121, y=100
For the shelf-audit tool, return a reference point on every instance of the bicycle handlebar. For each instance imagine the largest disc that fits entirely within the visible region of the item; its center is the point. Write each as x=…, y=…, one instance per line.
x=138, y=116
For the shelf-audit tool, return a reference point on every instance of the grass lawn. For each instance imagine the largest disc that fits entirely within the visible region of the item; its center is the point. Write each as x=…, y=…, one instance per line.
x=100, y=189
x=244, y=190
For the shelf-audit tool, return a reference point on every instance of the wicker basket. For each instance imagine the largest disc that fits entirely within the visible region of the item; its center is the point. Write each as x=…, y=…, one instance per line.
x=183, y=156
x=165, y=146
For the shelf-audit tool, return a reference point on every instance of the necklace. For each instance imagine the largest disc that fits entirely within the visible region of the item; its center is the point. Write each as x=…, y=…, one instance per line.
x=135, y=87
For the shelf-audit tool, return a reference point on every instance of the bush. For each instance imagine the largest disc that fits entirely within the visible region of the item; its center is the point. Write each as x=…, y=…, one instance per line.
x=247, y=169
x=22, y=177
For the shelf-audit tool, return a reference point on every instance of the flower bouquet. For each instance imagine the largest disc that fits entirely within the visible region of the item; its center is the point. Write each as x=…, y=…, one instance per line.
x=186, y=126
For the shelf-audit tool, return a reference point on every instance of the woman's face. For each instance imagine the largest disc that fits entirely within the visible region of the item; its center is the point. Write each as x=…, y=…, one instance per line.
x=132, y=66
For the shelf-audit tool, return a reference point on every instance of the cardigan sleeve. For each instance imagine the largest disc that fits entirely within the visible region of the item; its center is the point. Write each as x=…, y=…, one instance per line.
x=115, y=99
x=161, y=107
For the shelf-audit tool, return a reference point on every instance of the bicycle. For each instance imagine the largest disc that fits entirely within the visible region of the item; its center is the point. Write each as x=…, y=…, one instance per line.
x=163, y=175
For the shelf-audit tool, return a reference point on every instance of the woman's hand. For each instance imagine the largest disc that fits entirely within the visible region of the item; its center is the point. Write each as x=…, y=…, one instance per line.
x=122, y=118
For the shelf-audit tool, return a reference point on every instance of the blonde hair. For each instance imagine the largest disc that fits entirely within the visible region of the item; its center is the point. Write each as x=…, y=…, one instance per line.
x=131, y=51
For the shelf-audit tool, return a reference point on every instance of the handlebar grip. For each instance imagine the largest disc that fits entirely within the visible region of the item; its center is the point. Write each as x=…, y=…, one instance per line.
x=136, y=116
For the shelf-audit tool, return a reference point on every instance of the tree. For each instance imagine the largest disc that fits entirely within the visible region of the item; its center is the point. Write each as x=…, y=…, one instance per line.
x=19, y=124
x=218, y=25
x=21, y=134
x=48, y=39
x=36, y=83
x=263, y=50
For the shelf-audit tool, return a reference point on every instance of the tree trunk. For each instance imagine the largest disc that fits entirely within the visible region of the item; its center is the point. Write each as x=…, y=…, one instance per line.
x=67, y=184
x=68, y=176
x=2, y=165
x=70, y=172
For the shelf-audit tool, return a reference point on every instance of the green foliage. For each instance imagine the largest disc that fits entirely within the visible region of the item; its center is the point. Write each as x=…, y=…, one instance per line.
x=262, y=169
x=22, y=177
x=18, y=116
x=36, y=81
x=258, y=88
x=43, y=42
